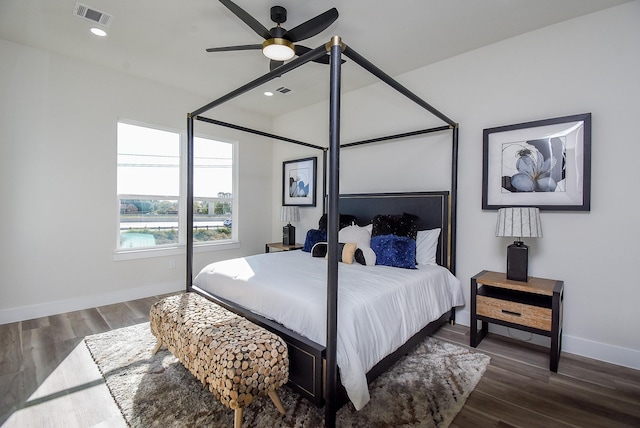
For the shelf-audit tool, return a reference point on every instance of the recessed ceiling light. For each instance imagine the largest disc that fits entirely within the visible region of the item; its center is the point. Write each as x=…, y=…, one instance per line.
x=98, y=32
x=268, y=93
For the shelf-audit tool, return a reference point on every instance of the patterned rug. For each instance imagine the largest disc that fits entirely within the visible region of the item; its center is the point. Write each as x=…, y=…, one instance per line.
x=426, y=388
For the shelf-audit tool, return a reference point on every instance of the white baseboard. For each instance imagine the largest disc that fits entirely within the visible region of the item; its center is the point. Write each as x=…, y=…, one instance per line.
x=570, y=344
x=601, y=351
x=85, y=302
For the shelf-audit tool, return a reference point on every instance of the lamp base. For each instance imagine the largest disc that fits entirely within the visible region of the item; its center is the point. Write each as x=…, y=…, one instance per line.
x=288, y=235
x=518, y=262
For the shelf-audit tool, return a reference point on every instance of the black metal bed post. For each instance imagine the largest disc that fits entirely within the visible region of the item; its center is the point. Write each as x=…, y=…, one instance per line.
x=331, y=405
x=301, y=60
x=453, y=210
x=370, y=67
x=189, y=277
x=324, y=181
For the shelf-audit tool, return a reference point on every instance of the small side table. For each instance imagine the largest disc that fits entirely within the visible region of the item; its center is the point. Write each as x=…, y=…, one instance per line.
x=534, y=306
x=282, y=247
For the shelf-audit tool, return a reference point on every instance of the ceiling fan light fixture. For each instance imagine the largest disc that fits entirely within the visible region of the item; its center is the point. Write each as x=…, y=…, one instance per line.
x=278, y=49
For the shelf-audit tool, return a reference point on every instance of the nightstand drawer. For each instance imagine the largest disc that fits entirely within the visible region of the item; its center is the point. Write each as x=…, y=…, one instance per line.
x=517, y=313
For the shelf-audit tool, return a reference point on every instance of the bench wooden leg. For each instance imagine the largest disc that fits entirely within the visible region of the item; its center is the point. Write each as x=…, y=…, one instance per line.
x=237, y=419
x=276, y=400
x=158, y=346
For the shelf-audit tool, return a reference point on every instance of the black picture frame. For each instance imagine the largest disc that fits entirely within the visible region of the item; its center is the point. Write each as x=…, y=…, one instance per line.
x=544, y=164
x=299, y=182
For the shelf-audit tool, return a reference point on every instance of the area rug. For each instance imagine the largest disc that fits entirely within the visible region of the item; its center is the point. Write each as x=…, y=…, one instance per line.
x=426, y=388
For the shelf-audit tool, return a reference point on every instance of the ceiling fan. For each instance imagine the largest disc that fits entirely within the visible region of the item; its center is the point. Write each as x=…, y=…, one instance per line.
x=279, y=43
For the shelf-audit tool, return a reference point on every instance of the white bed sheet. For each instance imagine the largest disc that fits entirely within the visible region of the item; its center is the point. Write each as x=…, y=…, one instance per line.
x=379, y=307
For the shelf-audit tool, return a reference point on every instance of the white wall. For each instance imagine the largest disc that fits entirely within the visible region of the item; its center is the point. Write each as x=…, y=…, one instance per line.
x=589, y=64
x=58, y=215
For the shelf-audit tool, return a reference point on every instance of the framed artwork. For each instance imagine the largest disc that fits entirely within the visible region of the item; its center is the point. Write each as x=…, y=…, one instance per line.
x=299, y=182
x=544, y=164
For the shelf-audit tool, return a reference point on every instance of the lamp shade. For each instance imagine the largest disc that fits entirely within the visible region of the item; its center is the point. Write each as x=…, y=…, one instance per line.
x=519, y=222
x=289, y=214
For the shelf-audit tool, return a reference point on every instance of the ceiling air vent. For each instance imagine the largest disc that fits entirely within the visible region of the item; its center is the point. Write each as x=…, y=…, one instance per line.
x=284, y=90
x=84, y=11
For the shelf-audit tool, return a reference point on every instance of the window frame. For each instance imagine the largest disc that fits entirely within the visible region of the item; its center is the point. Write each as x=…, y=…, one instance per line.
x=234, y=192
x=180, y=247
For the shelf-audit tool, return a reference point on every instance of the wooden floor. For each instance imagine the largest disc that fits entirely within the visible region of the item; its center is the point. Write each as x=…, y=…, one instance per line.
x=519, y=390
x=47, y=378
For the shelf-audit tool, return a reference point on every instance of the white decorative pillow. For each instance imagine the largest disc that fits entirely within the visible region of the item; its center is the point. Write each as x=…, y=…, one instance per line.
x=362, y=237
x=356, y=234
x=426, y=246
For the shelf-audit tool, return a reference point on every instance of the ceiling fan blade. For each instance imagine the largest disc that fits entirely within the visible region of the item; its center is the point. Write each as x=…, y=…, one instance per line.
x=301, y=50
x=312, y=26
x=273, y=64
x=324, y=59
x=235, y=48
x=256, y=26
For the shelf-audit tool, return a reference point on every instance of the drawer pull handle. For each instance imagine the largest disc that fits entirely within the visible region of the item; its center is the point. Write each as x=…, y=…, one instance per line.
x=515, y=314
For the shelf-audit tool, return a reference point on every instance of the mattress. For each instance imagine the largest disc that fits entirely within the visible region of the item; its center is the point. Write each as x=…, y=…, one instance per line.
x=379, y=307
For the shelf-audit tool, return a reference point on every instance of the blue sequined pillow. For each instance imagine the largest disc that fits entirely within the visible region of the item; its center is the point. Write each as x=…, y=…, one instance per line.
x=393, y=250
x=313, y=237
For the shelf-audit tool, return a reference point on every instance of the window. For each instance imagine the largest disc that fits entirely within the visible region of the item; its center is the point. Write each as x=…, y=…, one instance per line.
x=149, y=188
x=212, y=190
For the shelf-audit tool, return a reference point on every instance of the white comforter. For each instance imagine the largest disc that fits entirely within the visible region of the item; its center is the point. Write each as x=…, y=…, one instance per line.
x=379, y=307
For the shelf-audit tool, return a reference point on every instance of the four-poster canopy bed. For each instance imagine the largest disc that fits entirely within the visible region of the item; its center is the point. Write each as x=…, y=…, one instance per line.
x=314, y=366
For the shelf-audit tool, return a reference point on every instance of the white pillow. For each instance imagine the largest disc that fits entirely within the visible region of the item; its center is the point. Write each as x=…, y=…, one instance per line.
x=426, y=246
x=362, y=237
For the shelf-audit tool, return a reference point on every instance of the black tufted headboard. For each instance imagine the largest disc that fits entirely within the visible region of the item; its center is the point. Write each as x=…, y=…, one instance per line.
x=431, y=207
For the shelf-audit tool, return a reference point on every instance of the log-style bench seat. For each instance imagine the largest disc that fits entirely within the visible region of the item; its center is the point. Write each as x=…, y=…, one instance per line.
x=235, y=358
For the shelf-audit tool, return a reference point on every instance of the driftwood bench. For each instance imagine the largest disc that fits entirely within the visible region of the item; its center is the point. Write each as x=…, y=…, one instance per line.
x=235, y=358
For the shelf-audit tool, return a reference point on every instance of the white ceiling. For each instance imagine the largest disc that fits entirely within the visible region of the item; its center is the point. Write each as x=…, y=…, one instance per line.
x=165, y=40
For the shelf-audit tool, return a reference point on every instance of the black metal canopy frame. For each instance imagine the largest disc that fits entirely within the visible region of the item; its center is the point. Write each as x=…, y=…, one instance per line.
x=336, y=48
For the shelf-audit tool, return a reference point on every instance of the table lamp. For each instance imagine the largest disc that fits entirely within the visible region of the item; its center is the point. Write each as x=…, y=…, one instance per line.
x=287, y=215
x=517, y=222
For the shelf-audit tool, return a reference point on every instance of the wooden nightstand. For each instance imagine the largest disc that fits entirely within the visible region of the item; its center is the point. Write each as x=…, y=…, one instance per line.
x=280, y=246
x=534, y=306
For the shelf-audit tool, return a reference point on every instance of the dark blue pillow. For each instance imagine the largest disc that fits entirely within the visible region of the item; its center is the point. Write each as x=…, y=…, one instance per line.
x=313, y=237
x=393, y=250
